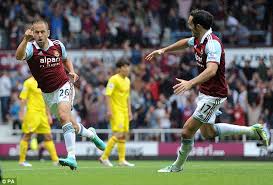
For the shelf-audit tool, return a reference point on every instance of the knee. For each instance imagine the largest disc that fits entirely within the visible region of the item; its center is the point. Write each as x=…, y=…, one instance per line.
x=64, y=116
x=186, y=134
x=27, y=137
x=208, y=135
x=119, y=135
x=122, y=137
x=48, y=137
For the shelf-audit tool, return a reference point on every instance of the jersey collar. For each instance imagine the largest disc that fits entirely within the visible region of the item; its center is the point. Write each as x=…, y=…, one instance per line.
x=205, y=35
x=50, y=43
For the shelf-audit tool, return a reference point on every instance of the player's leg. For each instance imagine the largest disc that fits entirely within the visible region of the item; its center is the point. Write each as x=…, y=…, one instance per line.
x=89, y=133
x=205, y=106
x=224, y=129
x=122, y=150
x=104, y=159
x=114, y=121
x=187, y=141
x=255, y=131
x=50, y=146
x=23, y=150
x=79, y=128
x=41, y=146
x=122, y=143
x=45, y=130
x=64, y=115
x=30, y=124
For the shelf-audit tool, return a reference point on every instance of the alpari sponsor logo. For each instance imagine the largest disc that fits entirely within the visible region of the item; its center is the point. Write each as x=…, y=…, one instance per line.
x=49, y=61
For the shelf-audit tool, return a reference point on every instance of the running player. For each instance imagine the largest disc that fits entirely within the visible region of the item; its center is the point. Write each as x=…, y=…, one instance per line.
x=47, y=61
x=210, y=57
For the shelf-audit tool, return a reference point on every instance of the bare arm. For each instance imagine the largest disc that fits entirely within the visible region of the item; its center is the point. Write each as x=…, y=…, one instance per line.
x=207, y=74
x=181, y=44
x=21, y=50
x=69, y=67
x=22, y=109
x=49, y=117
x=129, y=108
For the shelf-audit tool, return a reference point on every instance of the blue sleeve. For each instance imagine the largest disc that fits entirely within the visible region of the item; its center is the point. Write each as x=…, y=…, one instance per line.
x=213, y=50
x=29, y=51
x=191, y=41
x=64, y=53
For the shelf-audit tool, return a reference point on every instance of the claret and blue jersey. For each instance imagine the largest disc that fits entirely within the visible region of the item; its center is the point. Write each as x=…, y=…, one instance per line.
x=46, y=65
x=210, y=49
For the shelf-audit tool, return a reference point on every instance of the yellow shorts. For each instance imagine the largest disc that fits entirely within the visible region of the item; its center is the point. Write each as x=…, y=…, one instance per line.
x=120, y=122
x=36, y=122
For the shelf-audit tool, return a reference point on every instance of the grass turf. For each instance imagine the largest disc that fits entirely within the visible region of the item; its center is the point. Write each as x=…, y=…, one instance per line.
x=92, y=173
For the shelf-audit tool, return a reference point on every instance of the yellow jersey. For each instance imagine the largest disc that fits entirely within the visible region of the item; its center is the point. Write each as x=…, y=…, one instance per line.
x=118, y=89
x=33, y=95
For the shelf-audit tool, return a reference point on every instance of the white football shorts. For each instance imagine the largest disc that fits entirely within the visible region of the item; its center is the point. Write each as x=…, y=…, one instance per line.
x=207, y=108
x=66, y=93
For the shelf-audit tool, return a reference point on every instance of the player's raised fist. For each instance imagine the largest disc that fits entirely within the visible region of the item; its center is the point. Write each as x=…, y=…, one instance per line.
x=154, y=53
x=29, y=35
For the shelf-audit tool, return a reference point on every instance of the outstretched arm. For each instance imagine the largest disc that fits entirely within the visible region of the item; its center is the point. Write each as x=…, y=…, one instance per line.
x=181, y=44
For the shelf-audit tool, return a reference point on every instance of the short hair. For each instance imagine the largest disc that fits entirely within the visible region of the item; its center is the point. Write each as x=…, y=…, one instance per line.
x=37, y=21
x=122, y=62
x=202, y=17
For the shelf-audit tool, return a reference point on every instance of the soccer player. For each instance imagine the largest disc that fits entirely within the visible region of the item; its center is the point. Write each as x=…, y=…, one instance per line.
x=47, y=60
x=37, y=119
x=119, y=112
x=210, y=57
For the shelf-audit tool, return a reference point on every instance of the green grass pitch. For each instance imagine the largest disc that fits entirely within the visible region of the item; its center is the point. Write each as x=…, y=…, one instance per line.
x=92, y=173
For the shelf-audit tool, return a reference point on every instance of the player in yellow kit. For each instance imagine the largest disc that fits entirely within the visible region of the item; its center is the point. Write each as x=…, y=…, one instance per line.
x=36, y=119
x=119, y=113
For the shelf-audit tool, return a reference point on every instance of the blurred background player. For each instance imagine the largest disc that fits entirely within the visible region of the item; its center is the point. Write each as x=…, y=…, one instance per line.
x=48, y=63
x=36, y=119
x=210, y=57
x=119, y=112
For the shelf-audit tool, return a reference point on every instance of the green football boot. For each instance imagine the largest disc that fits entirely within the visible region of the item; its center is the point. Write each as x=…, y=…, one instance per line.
x=96, y=140
x=70, y=162
x=262, y=136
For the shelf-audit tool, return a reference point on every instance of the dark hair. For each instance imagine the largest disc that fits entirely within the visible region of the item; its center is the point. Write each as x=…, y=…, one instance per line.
x=40, y=21
x=202, y=17
x=122, y=62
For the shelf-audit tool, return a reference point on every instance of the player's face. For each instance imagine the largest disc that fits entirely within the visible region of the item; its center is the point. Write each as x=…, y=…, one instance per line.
x=40, y=33
x=193, y=28
x=125, y=70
